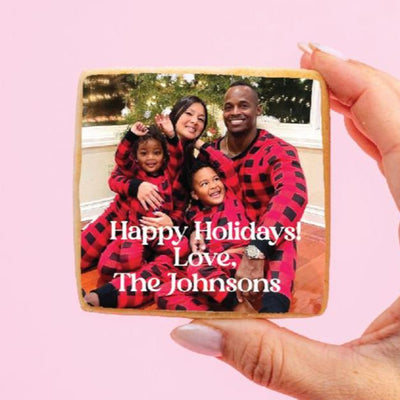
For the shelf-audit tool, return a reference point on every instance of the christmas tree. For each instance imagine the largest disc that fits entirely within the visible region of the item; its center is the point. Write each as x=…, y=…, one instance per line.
x=127, y=98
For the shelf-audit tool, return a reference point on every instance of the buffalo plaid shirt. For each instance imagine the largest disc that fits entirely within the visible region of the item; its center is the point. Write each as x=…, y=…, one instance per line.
x=230, y=210
x=273, y=184
x=127, y=176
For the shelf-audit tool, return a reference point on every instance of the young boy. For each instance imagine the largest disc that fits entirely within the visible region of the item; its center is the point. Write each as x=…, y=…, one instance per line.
x=217, y=200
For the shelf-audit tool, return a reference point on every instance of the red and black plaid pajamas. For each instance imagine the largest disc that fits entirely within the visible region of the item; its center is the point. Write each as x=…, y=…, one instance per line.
x=274, y=195
x=127, y=255
x=231, y=210
x=127, y=176
x=96, y=236
x=115, y=294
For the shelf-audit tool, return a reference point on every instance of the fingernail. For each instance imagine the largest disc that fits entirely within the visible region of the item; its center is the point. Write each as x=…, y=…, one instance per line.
x=304, y=47
x=328, y=50
x=199, y=338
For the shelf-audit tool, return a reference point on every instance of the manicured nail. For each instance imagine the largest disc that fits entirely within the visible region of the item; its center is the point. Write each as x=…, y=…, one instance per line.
x=304, y=47
x=199, y=338
x=328, y=50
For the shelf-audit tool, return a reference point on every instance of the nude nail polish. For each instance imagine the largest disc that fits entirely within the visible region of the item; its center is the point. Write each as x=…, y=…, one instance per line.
x=199, y=338
x=304, y=47
x=328, y=50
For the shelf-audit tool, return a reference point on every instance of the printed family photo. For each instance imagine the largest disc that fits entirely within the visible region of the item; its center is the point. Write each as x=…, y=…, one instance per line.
x=203, y=192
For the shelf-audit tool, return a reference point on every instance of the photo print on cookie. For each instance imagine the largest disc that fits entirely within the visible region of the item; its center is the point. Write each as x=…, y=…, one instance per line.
x=202, y=193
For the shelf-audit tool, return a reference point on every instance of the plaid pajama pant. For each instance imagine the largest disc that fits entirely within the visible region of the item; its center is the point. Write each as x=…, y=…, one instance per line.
x=124, y=255
x=202, y=300
x=120, y=293
x=96, y=236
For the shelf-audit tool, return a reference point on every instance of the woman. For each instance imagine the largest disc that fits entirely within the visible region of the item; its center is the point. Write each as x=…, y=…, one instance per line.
x=189, y=119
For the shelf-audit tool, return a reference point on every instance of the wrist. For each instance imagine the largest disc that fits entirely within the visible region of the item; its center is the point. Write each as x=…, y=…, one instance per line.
x=134, y=187
x=170, y=134
x=173, y=140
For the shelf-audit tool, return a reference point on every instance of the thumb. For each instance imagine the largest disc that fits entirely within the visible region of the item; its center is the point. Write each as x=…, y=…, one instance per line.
x=272, y=356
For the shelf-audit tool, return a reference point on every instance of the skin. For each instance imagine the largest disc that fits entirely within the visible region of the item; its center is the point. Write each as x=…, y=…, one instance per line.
x=367, y=368
x=240, y=113
x=150, y=156
x=191, y=123
x=208, y=187
x=165, y=125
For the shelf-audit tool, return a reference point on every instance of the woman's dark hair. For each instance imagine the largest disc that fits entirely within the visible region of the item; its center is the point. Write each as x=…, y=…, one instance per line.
x=182, y=105
x=178, y=109
x=154, y=134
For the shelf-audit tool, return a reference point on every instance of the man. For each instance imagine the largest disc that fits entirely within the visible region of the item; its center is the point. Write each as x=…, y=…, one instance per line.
x=274, y=192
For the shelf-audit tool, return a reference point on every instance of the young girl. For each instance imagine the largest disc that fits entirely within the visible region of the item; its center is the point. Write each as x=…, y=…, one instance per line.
x=143, y=153
x=217, y=200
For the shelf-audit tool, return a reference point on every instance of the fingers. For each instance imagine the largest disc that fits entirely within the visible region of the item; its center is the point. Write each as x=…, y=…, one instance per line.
x=239, y=296
x=271, y=356
x=164, y=124
x=367, y=145
x=144, y=204
x=373, y=102
x=156, y=197
x=150, y=201
x=391, y=169
x=154, y=200
x=159, y=120
x=197, y=244
x=148, y=195
x=389, y=317
x=253, y=297
x=139, y=129
x=149, y=221
x=370, y=100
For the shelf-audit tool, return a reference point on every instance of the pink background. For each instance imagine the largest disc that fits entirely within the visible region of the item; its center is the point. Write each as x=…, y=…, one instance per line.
x=50, y=349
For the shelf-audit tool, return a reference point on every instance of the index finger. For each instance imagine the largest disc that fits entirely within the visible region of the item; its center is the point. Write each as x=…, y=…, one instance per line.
x=157, y=196
x=150, y=219
x=372, y=96
x=373, y=100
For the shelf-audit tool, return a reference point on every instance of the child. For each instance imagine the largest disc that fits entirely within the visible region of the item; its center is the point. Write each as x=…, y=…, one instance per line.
x=142, y=154
x=217, y=200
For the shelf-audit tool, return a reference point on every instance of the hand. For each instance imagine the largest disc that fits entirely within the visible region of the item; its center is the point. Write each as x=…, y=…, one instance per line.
x=369, y=102
x=139, y=129
x=148, y=195
x=368, y=367
x=160, y=220
x=197, y=245
x=165, y=125
x=198, y=144
x=251, y=269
